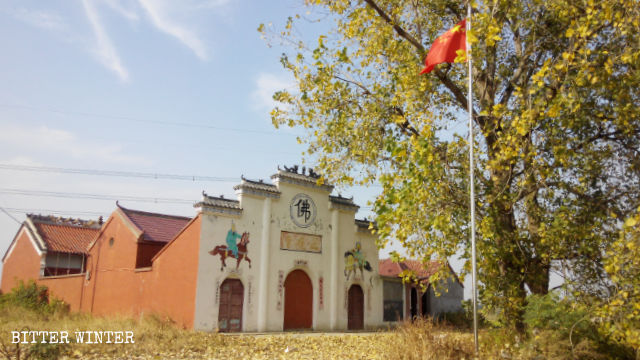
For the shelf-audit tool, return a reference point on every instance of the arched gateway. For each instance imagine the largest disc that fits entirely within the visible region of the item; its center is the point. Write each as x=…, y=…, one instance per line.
x=298, y=301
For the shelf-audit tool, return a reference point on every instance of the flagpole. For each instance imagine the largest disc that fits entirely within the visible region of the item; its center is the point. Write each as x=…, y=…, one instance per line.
x=474, y=278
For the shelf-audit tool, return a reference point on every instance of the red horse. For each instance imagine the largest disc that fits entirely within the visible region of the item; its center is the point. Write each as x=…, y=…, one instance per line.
x=224, y=252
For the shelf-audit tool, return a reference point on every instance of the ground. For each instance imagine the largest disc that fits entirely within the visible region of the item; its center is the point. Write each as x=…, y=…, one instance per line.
x=156, y=338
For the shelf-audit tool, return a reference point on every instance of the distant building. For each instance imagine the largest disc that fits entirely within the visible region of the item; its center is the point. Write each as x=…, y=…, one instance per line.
x=283, y=255
x=48, y=248
x=405, y=301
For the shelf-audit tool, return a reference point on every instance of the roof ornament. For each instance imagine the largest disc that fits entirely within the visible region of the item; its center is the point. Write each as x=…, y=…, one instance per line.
x=313, y=174
x=293, y=169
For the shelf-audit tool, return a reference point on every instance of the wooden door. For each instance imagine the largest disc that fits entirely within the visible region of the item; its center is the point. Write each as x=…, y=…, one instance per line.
x=230, y=311
x=298, y=301
x=356, y=308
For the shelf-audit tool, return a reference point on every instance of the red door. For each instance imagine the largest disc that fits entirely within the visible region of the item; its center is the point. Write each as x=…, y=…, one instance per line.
x=298, y=301
x=356, y=308
x=230, y=311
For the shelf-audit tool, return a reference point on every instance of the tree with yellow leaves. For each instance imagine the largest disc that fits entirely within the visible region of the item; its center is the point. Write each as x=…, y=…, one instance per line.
x=557, y=110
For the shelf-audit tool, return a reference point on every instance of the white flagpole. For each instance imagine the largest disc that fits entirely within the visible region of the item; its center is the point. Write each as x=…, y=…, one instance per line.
x=474, y=279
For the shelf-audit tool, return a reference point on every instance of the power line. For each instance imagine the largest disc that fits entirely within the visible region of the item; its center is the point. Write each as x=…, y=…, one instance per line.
x=9, y=215
x=49, y=211
x=158, y=122
x=116, y=173
x=94, y=196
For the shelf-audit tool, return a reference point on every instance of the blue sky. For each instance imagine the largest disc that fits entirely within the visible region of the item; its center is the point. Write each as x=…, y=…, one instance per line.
x=153, y=86
x=178, y=87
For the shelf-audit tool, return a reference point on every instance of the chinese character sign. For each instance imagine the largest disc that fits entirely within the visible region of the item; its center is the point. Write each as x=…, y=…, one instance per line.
x=302, y=210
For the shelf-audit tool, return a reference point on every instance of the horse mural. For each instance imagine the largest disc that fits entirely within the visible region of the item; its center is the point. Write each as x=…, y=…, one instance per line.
x=353, y=260
x=225, y=252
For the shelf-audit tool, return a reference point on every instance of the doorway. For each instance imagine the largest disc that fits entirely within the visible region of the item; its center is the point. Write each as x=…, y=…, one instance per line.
x=298, y=301
x=356, y=308
x=230, y=310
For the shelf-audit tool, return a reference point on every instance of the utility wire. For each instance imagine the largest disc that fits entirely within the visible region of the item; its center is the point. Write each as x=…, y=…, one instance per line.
x=94, y=196
x=49, y=211
x=116, y=173
x=68, y=195
x=158, y=122
x=9, y=215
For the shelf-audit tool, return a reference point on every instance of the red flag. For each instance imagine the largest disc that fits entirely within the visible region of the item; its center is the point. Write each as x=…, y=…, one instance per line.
x=445, y=47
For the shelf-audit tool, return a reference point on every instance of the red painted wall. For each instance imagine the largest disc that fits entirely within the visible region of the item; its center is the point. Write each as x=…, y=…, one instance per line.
x=22, y=264
x=112, y=287
x=115, y=286
x=168, y=288
x=172, y=282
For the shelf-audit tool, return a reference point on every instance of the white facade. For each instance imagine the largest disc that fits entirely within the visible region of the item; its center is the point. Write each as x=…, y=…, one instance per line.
x=293, y=224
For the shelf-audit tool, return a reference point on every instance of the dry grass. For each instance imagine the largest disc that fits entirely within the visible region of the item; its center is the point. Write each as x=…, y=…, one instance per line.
x=158, y=339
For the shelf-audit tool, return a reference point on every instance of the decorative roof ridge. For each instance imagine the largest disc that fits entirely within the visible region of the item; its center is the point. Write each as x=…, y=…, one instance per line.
x=221, y=197
x=259, y=188
x=256, y=182
x=343, y=201
x=218, y=202
x=365, y=223
x=62, y=221
x=293, y=177
x=125, y=210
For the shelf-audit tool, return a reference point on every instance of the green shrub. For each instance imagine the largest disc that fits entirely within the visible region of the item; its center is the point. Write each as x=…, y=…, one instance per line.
x=32, y=296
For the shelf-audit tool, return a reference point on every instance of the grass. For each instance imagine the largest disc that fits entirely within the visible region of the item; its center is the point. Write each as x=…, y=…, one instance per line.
x=159, y=339
x=28, y=308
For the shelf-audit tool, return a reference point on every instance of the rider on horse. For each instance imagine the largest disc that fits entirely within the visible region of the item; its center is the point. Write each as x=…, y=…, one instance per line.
x=232, y=236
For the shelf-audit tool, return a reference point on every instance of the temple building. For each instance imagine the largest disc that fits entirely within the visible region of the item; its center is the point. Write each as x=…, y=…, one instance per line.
x=282, y=255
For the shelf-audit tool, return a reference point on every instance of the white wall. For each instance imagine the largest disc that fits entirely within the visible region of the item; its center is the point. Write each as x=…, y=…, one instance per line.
x=315, y=265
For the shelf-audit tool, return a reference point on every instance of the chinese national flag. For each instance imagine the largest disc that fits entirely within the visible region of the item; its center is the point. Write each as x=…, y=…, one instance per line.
x=445, y=47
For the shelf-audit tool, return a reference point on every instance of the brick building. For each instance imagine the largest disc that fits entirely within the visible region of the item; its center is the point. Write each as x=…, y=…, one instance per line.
x=283, y=255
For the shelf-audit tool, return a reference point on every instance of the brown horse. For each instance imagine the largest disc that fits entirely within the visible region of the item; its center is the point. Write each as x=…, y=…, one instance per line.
x=224, y=252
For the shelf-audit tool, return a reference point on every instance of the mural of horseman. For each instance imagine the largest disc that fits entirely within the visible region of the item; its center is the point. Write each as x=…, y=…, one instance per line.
x=353, y=260
x=234, y=250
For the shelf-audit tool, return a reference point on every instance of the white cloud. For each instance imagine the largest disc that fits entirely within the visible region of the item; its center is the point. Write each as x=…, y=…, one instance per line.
x=158, y=12
x=105, y=51
x=118, y=7
x=210, y=4
x=42, y=19
x=266, y=85
x=62, y=142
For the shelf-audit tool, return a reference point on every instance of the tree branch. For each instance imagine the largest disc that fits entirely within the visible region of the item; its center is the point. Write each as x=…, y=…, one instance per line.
x=396, y=27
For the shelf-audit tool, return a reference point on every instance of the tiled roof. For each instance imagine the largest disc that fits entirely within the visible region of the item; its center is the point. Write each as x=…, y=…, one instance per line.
x=299, y=179
x=348, y=202
x=364, y=223
x=388, y=268
x=257, y=187
x=218, y=202
x=156, y=227
x=65, y=235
